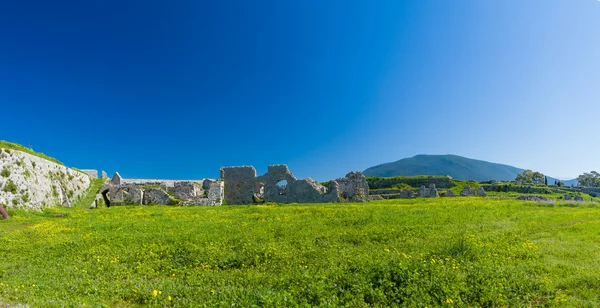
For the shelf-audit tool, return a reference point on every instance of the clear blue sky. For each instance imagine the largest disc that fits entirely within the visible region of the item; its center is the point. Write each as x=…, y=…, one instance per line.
x=176, y=89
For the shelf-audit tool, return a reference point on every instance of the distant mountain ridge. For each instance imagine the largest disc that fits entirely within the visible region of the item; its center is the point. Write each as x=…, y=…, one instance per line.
x=458, y=167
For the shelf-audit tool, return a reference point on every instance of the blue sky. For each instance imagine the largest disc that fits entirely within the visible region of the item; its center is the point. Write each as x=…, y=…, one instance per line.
x=165, y=89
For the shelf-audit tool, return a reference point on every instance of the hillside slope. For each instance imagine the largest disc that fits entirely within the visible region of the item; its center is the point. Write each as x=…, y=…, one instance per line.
x=458, y=167
x=32, y=181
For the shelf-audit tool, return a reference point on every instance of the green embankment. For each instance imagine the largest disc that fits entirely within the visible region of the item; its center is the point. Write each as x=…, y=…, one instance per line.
x=90, y=195
x=18, y=147
x=418, y=252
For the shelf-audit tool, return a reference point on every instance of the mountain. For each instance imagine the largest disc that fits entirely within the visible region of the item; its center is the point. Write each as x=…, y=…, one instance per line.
x=458, y=167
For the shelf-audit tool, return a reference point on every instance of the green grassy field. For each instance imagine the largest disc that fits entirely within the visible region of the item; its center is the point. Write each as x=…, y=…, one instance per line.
x=418, y=252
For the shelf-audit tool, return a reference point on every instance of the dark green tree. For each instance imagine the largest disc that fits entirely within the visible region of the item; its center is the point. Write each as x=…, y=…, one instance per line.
x=529, y=177
x=591, y=179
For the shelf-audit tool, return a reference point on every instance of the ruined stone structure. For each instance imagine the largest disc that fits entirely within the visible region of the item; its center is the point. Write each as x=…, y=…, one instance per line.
x=578, y=198
x=450, y=193
x=481, y=192
x=532, y=198
x=242, y=186
x=430, y=192
x=406, y=194
x=116, y=179
x=167, y=192
x=91, y=172
x=353, y=187
x=467, y=191
x=104, y=175
x=567, y=197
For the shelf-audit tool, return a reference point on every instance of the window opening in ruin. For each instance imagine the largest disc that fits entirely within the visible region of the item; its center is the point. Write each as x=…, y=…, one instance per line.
x=282, y=187
x=259, y=192
x=105, y=195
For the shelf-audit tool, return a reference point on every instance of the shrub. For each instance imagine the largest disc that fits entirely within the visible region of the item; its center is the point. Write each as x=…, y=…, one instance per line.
x=5, y=172
x=10, y=186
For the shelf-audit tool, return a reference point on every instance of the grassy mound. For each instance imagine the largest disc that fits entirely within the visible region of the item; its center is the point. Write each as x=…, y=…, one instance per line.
x=18, y=147
x=419, y=252
x=86, y=200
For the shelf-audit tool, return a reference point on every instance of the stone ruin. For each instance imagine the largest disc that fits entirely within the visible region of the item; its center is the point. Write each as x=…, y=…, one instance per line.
x=91, y=172
x=279, y=185
x=481, y=192
x=169, y=192
x=430, y=192
x=467, y=191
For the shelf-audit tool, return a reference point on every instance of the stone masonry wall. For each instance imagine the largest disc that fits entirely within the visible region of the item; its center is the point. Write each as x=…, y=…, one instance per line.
x=28, y=181
x=242, y=186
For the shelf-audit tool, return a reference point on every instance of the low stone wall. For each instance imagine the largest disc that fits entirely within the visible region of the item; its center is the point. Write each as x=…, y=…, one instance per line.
x=520, y=189
x=91, y=172
x=382, y=183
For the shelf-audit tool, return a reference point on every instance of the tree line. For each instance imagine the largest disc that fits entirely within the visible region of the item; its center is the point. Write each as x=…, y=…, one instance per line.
x=529, y=177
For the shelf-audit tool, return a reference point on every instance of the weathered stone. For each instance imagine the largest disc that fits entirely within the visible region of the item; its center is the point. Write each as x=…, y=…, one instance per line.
x=298, y=191
x=104, y=175
x=433, y=193
x=354, y=187
x=406, y=194
x=422, y=191
x=430, y=192
x=578, y=198
x=376, y=197
x=273, y=191
x=450, y=193
x=130, y=191
x=567, y=197
x=216, y=192
x=123, y=194
x=467, y=191
x=481, y=192
x=91, y=172
x=532, y=198
x=239, y=184
x=116, y=179
x=157, y=196
x=186, y=190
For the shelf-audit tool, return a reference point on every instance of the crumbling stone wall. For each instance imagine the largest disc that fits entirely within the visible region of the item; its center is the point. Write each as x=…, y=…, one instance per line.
x=430, y=192
x=467, y=191
x=354, y=187
x=91, y=172
x=239, y=184
x=242, y=186
x=167, y=192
